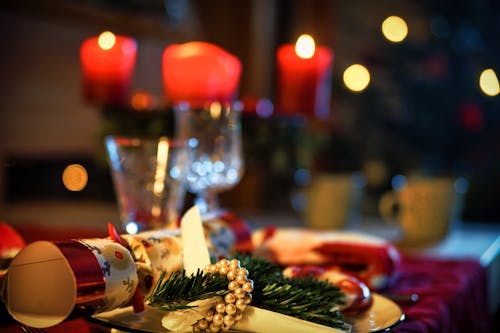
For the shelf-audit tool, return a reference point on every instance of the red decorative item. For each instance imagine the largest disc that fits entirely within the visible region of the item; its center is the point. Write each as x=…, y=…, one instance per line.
x=304, y=86
x=11, y=241
x=200, y=72
x=108, y=63
x=241, y=232
x=372, y=260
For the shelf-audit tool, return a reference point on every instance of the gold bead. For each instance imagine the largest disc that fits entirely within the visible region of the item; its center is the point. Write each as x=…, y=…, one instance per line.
x=212, y=269
x=218, y=319
x=240, y=304
x=238, y=315
x=248, y=299
x=234, y=264
x=223, y=270
x=231, y=275
x=196, y=329
x=230, y=309
x=232, y=285
x=229, y=320
x=247, y=286
x=243, y=272
x=209, y=316
x=239, y=293
x=224, y=262
x=225, y=328
x=202, y=323
x=220, y=308
x=229, y=298
x=214, y=328
x=240, y=279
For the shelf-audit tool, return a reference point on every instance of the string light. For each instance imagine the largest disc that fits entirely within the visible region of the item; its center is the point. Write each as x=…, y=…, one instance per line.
x=394, y=29
x=488, y=82
x=356, y=77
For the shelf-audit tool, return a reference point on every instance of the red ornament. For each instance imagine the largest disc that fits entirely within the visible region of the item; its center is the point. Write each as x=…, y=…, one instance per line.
x=471, y=117
x=11, y=241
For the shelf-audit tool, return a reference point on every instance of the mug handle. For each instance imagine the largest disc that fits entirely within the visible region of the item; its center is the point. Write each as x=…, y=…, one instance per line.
x=389, y=207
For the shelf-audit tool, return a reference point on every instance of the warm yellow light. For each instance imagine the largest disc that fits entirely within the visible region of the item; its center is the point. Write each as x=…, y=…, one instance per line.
x=106, y=40
x=488, y=82
x=141, y=100
x=394, y=29
x=215, y=110
x=356, y=77
x=305, y=47
x=75, y=177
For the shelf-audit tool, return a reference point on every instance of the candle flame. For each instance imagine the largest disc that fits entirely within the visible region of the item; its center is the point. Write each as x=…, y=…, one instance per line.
x=305, y=47
x=106, y=40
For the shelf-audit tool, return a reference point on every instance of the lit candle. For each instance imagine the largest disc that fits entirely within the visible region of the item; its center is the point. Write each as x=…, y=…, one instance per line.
x=107, y=67
x=304, y=78
x=200, y=72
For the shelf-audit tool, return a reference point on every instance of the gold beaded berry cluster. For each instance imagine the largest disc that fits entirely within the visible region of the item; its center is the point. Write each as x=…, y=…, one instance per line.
x=227, y=312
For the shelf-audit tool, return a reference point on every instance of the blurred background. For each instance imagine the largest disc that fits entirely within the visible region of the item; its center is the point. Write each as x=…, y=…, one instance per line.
x=424, y=111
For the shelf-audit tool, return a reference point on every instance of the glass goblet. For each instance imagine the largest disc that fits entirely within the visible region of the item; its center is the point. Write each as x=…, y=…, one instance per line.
x=218, y=165
x=149, y=180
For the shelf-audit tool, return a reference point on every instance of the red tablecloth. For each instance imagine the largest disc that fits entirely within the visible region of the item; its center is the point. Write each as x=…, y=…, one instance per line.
x=452, y=294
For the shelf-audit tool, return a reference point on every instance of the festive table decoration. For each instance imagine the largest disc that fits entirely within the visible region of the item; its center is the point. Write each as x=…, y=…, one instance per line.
x=108, y=63
x=10, y=245
x=200, y=72
x=304, y=74
x=371, y=259
x=307, y=299
x=46, y=281
x=184, y=289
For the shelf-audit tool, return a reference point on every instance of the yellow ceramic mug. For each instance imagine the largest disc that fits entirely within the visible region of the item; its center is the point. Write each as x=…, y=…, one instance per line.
x=424, y=208
x=334, y=201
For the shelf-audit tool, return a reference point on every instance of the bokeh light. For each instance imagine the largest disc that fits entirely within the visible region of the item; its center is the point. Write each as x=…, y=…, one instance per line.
x=264, y=108
x=75, y=177
x=106, y=40
x=488, y=82
x=141, y=100
x=132, y=228
x=356, y=77
x=305, y=47
x=394, y=29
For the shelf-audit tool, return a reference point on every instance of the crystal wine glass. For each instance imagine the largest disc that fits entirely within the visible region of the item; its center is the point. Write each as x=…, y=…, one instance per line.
x=215, y=130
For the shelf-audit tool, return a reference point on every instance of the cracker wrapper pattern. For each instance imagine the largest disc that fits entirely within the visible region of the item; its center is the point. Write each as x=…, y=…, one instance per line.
x=46, y=281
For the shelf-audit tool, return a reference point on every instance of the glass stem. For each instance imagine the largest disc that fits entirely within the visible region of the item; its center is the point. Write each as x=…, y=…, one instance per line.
x=208, y=203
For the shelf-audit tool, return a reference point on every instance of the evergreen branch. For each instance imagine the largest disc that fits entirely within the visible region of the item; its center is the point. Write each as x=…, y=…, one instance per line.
x=304, y=298
x=179, y=289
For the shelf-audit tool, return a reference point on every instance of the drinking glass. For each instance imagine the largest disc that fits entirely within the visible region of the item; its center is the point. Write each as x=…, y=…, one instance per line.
x=149, y=177
x=218, y=165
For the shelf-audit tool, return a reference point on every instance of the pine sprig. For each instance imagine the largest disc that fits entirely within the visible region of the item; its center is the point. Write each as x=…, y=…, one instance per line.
x=304, y=298
x=179, y=289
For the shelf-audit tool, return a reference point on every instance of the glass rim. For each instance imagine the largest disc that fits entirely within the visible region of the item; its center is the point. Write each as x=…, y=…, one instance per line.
x=137, y=140
x=235, y=105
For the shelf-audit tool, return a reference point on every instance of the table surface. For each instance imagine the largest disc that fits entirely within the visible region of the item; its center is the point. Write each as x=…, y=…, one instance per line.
x=460, y=252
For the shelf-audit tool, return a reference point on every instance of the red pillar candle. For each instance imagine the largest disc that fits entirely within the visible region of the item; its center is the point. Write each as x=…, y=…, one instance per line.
x=199, y=72
x=304, y=79
x=108, y=63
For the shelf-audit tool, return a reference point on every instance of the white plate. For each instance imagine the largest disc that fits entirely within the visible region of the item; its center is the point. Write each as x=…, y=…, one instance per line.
x=382, y=316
